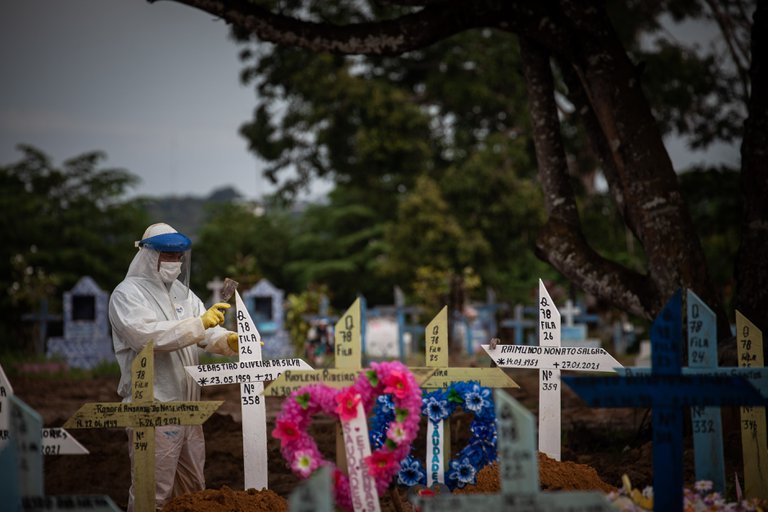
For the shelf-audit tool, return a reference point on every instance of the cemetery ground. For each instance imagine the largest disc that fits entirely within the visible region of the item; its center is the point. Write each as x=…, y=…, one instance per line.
x=611, y=441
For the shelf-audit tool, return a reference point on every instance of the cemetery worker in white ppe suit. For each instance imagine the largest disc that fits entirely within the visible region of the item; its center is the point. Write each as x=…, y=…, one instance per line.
x=154, y=303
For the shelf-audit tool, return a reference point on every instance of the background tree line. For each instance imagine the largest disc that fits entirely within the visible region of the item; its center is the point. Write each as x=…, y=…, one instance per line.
x=463, y=159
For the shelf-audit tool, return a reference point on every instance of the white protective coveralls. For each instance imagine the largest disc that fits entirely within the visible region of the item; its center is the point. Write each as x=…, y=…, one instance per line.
x=143, y=308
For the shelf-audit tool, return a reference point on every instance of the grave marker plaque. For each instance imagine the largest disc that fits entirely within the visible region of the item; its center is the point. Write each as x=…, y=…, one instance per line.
x=749, y=340
x=706, y=423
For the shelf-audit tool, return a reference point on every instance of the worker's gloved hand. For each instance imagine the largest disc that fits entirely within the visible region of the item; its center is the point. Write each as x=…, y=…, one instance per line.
x=232, y=341
x=214, y=316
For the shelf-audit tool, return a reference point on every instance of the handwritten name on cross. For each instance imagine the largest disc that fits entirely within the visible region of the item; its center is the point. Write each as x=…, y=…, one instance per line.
x=55, y=441
x=143, y=413
x=749, y=340
x=348, y=360
x=250, y=372
x=550, y=358
x=518, y=471
x=706, y=423
x=667, y=391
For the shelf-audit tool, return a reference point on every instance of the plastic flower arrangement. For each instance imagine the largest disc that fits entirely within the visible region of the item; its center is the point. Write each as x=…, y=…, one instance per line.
x=699, y=499
x=300, y=450
x=437, y=406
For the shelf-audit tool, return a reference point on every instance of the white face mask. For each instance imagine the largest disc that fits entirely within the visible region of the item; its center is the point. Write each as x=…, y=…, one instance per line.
x=169, y=271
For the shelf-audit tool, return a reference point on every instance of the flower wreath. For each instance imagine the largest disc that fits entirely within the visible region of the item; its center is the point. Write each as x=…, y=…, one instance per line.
x=300, y=450
x=439, y=405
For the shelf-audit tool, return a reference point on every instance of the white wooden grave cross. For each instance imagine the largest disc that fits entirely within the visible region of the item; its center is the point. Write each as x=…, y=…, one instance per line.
x=215, y=285
x=550, y=358
x=754, y=441
x=55, y=441
x=569, y=311
x=250, y=372
x=518, y=471
x=143, y=413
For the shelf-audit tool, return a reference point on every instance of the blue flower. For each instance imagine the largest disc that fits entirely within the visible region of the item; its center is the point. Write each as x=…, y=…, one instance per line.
x=463, y=472
x=476, y=399
x=377, y=438
x=385, y=404
x=436, y=410
x=411, y=472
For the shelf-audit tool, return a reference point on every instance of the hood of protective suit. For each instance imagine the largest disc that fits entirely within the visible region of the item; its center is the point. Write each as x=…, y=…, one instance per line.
x=145, y=265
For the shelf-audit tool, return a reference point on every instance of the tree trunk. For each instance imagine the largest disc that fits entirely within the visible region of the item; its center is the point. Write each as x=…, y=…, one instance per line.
x=751, y=268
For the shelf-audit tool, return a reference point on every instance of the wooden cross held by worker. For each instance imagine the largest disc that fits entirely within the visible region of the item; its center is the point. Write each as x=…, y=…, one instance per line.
x=667, y=390
x=518, y=471
x=250, y=372
x=550, y=358
x=143, y=413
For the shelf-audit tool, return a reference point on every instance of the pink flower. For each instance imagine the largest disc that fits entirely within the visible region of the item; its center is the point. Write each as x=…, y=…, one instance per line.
x=381, y=463
x=347, y=401
x=304, y=462
x=286, y=431
x=397, y=432
x=397, y=383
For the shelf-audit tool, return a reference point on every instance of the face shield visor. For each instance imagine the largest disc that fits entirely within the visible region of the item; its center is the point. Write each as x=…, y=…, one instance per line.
x=172, y=257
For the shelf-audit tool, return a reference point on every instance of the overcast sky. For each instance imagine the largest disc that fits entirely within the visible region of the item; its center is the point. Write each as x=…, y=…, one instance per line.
x=155, y=86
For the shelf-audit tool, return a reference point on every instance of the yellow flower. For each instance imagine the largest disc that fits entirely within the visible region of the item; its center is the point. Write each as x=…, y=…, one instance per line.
x=638, y=497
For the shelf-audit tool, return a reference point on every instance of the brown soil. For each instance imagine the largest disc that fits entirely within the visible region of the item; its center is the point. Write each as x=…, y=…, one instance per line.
x=599, y=445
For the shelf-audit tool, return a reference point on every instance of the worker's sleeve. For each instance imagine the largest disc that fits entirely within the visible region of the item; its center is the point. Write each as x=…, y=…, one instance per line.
x=136, y=324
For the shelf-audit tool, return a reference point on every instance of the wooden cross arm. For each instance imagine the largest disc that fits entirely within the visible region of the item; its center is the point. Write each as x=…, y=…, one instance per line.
x=488, y=377
x=334, y=377
x=666, y=390
x=138, y=415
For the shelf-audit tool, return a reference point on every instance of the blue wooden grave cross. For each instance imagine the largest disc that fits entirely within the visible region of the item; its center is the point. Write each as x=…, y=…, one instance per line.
x=667, y=391
x=519, y=323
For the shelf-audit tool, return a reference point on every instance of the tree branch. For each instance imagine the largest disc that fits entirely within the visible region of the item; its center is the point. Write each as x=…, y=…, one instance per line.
x=566, y=249
x=561, y=241
x=389, y=37
x=437, y=20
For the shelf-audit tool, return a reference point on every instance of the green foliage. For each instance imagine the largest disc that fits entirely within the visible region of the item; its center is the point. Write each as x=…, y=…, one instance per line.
x=240, y=242
x=59, y=224
x=713, y=197
x=300, y=305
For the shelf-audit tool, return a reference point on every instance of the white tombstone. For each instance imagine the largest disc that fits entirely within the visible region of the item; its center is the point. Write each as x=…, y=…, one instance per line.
x=265, y=305
x=87, y=341
x=643, y=359
x=381, y=337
